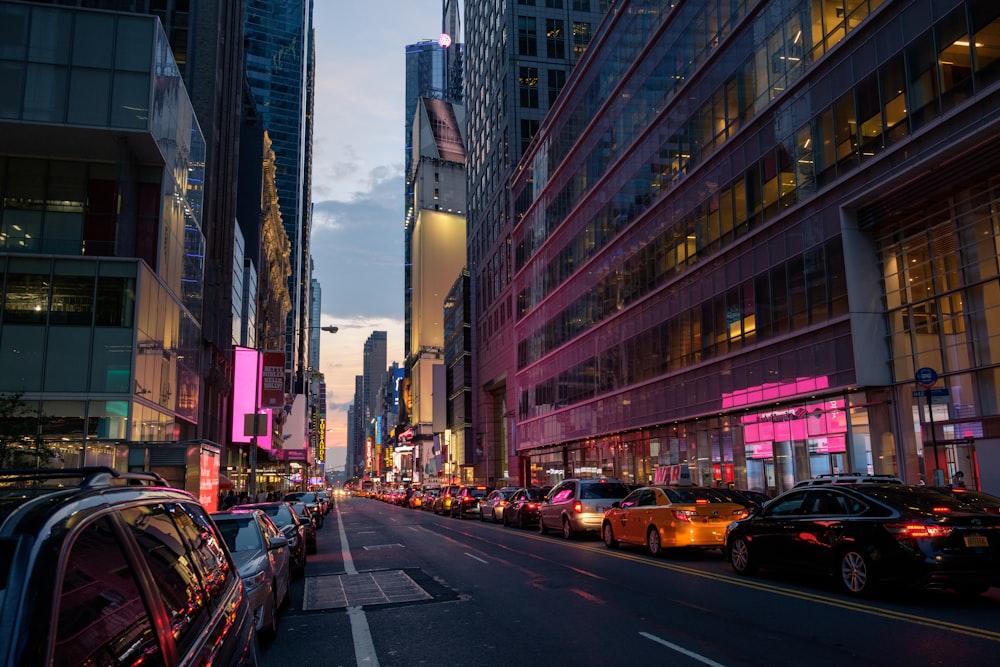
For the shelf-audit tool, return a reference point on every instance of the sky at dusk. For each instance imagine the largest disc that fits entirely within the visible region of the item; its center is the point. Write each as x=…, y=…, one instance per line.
x=357, y=190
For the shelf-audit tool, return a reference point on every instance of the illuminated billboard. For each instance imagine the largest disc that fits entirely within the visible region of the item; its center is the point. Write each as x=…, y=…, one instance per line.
x=246, y=395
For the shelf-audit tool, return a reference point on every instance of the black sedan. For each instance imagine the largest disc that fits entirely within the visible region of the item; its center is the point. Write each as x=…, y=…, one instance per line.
x=294, y=528
x=522, y=508
x=869, y=534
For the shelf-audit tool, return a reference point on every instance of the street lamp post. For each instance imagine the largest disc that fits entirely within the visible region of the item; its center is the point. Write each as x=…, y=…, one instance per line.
x=252, y=482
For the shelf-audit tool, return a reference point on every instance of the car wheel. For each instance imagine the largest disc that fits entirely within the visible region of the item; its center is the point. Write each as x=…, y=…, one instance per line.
x=856, y=572
x=608, y=533
x=567, y=529
x=482, y=516
x=653, y=542
x=541, y=526
x=506, y=523
x=739, y=556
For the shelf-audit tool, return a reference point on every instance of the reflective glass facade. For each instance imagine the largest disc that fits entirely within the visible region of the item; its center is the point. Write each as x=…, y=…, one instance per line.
x=708, y=235
x=101, y=248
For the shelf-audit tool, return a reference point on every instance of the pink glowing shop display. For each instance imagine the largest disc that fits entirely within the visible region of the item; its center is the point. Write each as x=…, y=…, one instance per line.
x=247, y=371
x=822, y=423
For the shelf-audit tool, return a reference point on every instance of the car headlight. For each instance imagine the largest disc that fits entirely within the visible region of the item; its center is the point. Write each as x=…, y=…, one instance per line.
x=254, y=581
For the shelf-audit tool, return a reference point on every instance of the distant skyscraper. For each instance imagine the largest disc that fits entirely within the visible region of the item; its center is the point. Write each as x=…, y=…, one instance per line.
x=510, y=84
x=278, y=42
x=434, y=71
x=374, y=370
x=315, y=309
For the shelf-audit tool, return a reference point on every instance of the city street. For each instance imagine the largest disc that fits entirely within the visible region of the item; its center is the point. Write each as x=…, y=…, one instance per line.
x=417, y=589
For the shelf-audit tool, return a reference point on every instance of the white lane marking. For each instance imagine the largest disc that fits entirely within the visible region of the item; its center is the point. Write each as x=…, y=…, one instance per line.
x=476, y=558
x=684, y=651
x=364, y=647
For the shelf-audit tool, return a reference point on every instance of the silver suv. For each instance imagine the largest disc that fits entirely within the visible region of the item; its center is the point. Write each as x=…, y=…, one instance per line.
x=576, y=506
x=115, y=568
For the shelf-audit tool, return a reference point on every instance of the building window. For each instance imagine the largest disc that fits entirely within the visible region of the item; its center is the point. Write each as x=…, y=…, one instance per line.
x=527, y=36
x=557, y=79
x=555, y=39
x=528, y=81
x=529, y=127
x=581, y=39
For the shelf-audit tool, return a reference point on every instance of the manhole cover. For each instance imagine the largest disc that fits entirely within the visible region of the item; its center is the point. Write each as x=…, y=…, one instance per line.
x=365, y=588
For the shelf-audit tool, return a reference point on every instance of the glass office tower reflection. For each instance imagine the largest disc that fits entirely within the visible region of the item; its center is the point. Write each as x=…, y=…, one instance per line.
x=745, y=227
x=101, y=248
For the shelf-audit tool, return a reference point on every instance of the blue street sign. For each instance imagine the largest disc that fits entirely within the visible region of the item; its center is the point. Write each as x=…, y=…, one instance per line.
x=926, y=376
x=922, y=393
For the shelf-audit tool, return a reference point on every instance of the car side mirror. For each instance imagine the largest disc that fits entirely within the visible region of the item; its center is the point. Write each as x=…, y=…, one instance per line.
x=277, y=543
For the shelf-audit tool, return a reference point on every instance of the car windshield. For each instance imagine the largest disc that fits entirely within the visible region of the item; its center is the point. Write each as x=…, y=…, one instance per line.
x=536, y=494
x=694, y=495
x=478, y=493
x=920, y=498
x=280, y=514
x=240, y=534
x=603, y=490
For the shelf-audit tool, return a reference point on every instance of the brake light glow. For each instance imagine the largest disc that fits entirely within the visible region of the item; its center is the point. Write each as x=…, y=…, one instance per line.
x=684, y=515
x=531, y=506
x=578, y=507
x=700, y=501
x=740, y=514
x=919, y=530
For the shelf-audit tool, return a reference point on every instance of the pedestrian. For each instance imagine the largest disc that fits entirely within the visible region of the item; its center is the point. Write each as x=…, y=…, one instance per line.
x=230, y=500
x=958, y=480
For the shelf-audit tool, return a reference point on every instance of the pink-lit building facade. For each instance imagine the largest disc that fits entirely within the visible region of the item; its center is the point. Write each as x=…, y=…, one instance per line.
x=743, y=228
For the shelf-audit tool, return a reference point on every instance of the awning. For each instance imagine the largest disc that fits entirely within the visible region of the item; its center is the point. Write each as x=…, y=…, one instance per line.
x=225, y=483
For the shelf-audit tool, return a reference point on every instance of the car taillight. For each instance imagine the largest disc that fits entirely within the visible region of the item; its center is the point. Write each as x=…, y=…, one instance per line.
x=904, y=530
x=740, y=514
x=470, y=500
x=684, y=515
x=578, y=507
x=531, y=506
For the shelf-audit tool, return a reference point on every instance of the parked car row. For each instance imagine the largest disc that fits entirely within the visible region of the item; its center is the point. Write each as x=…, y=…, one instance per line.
x=117, y=568
x=863, y=531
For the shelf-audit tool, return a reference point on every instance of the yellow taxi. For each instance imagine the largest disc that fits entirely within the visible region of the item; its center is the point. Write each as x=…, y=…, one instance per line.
x=663, y=517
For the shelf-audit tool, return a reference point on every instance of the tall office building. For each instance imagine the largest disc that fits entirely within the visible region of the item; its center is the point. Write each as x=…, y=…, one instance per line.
x=356, y=463
x=518, y=56
x=279, y=65
x=433, y=71
x=761, y=246
x=102, y=165
x=373, y=367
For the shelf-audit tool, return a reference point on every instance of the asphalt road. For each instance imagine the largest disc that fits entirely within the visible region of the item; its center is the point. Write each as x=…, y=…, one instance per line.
x=413, y=588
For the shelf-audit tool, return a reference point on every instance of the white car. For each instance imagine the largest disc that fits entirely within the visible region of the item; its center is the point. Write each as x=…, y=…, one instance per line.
x=576, y=506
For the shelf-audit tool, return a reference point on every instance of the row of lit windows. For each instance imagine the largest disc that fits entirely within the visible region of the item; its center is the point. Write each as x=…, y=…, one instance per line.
x=832, y=144
x=805, y=290
x=748, y=88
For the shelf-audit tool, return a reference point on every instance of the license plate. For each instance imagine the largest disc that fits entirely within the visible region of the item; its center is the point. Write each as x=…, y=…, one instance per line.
x=976, y=541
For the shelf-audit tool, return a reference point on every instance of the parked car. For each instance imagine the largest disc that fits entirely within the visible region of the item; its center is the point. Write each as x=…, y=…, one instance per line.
x=114, y=568
x=575, y=506
x=326, y=502
x=976, y=499
x=294, y=528
x=869, y=534
x=663, y=517
x=429, y=498
x=261, y=554
x=443, y=503
x=493, y=505
x=308, y=518
x=522, y=508
x=311, y=500
x=745, y=497
x=467, y=500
